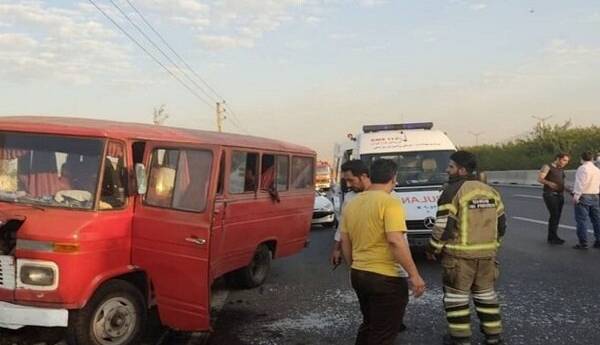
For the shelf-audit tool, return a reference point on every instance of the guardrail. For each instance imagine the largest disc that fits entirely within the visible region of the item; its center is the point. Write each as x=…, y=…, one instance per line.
x=522, y=177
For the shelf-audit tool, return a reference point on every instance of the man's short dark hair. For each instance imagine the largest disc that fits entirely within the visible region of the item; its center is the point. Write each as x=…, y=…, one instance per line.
x=356, y=167
x=587, y=156
x=562, y=155
x=383, y=171
x=466, y=160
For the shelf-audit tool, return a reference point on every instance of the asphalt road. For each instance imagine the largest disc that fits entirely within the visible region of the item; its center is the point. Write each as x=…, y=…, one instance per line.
x=549, y=294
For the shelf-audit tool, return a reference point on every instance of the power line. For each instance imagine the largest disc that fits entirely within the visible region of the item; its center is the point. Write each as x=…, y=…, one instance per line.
x=149, y=54
x=173, y=50
x=160, y=50
x=184, y=62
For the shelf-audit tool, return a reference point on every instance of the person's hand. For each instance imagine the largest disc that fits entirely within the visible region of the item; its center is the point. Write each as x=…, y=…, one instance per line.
x=552, y=185
x=430, y=256
x=417, y=285
x=336, y=257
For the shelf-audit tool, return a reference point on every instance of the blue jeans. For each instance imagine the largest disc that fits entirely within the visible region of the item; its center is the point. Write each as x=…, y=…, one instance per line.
x=587, y=207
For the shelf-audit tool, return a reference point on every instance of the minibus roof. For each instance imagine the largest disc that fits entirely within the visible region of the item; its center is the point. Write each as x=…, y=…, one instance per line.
x=137, y=131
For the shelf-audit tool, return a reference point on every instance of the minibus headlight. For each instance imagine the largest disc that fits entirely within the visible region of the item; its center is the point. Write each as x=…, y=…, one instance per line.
x=37, y=275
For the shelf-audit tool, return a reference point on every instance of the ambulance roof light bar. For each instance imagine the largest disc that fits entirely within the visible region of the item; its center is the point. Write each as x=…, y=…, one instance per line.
x=397, y=127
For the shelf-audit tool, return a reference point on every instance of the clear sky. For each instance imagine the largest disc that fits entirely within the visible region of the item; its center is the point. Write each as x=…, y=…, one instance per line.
x=310, y=71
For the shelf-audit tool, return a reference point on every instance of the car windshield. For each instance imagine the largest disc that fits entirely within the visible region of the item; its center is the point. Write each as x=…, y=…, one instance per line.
x=417, y=168
x=49, y=170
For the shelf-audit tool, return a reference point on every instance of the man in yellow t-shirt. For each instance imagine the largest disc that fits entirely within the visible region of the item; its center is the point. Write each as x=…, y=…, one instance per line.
x=374, y=244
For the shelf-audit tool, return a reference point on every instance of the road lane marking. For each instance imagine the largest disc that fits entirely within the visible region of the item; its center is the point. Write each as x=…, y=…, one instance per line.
x=570, y=227
x=528, y=196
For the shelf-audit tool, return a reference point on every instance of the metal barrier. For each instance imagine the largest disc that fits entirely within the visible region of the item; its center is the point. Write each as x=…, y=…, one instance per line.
x=522, y=177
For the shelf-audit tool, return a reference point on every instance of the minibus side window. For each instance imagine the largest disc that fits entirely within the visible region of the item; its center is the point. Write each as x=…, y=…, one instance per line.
x=161, y=181
x=114, y=178
x=193, y=177
x=302, y=172
x=179, y=179
x=244, y=173
x=267, y=172
x=283, y=170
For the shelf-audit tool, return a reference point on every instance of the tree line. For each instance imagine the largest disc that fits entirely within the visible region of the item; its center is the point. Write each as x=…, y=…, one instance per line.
x=539, y=147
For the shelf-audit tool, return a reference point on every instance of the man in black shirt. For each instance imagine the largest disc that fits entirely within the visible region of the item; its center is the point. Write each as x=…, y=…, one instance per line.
x=552, y=176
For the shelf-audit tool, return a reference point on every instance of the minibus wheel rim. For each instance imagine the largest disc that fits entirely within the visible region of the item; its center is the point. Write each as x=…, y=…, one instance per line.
x=114, y=321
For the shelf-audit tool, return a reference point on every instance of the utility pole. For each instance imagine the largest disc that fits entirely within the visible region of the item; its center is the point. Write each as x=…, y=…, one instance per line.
x=476, y=135
x=220, y=116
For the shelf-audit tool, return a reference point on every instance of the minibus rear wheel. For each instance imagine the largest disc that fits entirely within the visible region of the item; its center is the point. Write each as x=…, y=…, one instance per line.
x=256, y=272
x=115, y=315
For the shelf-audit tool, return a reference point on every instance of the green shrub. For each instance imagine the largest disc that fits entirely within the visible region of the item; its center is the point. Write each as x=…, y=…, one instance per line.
x=538, y=148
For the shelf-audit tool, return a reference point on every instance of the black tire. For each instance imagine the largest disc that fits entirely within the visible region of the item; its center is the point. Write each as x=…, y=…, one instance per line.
x=255, y=273
x=126, y=310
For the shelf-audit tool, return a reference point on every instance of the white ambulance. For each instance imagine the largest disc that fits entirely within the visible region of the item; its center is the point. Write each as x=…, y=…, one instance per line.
x=422, y=155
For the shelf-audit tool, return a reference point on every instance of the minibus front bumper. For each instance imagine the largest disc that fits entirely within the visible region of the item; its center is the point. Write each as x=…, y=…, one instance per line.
x=15, y=316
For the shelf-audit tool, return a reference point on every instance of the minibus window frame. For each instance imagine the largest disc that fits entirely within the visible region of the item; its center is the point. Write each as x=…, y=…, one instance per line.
x=313, y=164
x=126, y=186
x=257, y=171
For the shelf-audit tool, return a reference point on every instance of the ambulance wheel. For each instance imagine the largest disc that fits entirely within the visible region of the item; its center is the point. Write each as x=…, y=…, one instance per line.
x=256, y=272
x=115, y=315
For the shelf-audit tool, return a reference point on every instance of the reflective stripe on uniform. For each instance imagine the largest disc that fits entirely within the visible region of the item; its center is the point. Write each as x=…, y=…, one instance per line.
x=448, y=207
x=465, y=312
x=495, y=324
x=435, y=244
x=460, y=326
x=488, y=310
x=468, y=247
x=441, y=222
x=456, y=300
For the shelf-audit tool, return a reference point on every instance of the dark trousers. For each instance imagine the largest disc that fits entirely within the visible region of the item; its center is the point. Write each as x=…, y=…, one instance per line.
x=554, y=203
x=382, y=301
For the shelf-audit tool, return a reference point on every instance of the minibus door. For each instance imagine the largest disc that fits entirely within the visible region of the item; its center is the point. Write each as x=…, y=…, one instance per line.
x=171, y=243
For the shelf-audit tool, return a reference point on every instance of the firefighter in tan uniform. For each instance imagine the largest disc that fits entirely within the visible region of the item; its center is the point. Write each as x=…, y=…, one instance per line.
x=469, y=227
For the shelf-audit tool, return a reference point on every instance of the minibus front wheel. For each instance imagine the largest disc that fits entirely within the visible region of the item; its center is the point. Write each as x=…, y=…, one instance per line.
x=115, y=315
x=256, y=272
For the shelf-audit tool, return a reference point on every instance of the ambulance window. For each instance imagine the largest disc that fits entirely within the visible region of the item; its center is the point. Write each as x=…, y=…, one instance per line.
x=283, y=169
x=302, y=172
x=347, y=156
x=114, y=178
x=244, y=172
x=267, y=172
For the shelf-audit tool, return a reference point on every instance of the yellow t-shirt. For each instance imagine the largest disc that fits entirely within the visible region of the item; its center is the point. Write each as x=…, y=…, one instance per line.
x=366, y=219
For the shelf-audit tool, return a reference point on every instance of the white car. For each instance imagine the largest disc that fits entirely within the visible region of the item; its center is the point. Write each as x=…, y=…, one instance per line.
x=323, y=212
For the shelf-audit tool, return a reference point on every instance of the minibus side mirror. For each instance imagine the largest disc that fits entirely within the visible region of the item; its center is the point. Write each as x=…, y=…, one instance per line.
x=140, y=177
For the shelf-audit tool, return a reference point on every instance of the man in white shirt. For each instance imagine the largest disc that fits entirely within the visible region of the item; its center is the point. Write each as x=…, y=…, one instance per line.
x=586, y=200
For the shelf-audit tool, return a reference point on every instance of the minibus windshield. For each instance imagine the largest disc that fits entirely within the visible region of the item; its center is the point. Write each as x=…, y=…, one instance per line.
x=49, y=170
x=416, y=168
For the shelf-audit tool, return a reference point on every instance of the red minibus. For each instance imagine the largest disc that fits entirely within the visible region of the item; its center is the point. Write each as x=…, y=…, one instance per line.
x=101, y=220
